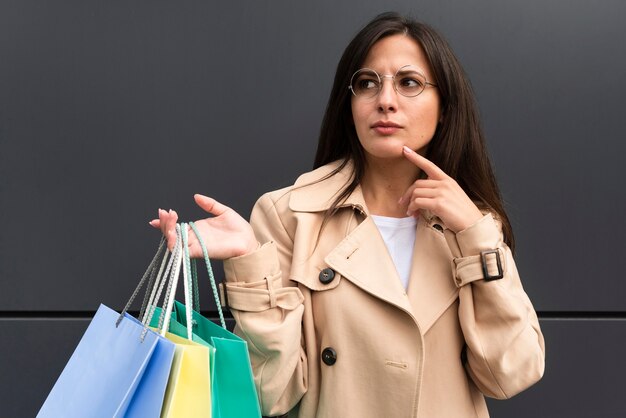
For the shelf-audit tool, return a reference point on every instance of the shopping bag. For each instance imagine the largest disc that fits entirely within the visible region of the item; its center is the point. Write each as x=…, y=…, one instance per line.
x=188, y=393
x=119, y=368
x=149, y=394
x=233, y=391
x=108, y=368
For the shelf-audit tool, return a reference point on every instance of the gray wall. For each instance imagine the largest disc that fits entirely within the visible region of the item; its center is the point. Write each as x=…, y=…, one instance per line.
x=111, y=109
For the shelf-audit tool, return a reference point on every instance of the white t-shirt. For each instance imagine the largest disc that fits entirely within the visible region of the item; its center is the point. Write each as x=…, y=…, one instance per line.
x=399, y=236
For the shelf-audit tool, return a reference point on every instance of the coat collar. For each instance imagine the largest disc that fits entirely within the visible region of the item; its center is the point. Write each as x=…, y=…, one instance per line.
x=316, y=190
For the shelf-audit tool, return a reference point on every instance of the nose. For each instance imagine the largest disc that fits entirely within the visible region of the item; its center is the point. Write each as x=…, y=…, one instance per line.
x=387, y=96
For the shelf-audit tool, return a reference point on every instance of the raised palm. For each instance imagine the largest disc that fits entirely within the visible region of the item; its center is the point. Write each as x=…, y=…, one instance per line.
x=226, y=234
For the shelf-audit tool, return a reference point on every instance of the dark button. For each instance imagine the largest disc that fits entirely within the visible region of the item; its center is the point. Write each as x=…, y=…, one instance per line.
x=327, y=275
x=329, y=356
x=438, y=227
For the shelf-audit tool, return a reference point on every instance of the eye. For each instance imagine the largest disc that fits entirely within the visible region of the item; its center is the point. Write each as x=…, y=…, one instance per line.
x=410, y=83
x=367, y=83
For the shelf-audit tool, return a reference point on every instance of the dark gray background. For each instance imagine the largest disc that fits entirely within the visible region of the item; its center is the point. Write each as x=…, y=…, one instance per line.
x=111, y=109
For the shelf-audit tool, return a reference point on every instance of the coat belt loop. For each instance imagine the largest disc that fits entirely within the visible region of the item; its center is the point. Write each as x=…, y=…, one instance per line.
x=270, y=290
x=223, y=295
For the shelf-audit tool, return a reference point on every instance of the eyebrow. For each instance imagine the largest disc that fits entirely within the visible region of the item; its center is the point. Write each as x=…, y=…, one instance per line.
x=412, y=69
x=408, y=71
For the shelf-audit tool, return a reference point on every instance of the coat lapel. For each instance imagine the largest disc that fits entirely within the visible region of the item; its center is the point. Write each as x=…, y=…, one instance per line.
x=431, y=287
x=362, y=258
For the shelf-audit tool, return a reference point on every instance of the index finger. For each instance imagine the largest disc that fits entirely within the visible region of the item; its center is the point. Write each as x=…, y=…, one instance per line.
x=425, y=164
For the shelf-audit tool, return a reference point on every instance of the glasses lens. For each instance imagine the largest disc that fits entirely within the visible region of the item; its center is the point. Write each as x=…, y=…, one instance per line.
x=365, y=83
x=409, y=82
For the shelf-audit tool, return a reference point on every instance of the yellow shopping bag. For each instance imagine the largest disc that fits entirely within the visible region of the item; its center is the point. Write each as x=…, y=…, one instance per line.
x=188, y=393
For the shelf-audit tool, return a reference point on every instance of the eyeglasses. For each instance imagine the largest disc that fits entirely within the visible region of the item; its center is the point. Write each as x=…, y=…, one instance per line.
x=408, y=81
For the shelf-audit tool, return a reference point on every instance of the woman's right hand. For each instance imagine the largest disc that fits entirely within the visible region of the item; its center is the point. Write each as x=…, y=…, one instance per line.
x=225, y=235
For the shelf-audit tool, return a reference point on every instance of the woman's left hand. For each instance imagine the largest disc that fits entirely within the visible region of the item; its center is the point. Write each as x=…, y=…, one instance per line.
x=440, y=194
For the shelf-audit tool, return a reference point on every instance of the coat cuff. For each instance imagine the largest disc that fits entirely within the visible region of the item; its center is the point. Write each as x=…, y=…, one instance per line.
x=254, y=266
x=466, y=247
x=253, y=282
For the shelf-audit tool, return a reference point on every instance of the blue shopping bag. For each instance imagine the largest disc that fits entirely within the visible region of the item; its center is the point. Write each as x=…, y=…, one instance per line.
x=149, y=394
x=115, y=371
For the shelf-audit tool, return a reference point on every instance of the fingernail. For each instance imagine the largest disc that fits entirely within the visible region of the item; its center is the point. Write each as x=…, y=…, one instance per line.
x=406, y=149
x=409, y=213
x=400, y=200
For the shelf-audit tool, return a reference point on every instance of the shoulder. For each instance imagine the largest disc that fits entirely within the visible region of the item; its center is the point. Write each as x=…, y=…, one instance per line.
x=300, y=205
x=313, y=191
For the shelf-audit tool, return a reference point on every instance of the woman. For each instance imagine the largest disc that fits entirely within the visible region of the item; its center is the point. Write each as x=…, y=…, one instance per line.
x=382, y=283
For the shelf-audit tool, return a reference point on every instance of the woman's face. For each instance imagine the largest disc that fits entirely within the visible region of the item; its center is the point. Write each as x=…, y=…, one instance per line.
x=389, y=120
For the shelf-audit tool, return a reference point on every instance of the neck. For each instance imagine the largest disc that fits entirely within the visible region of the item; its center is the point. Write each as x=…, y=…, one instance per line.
x=384, y=183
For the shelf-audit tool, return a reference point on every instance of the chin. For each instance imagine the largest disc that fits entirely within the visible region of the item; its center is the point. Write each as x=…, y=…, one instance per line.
x=386, y=152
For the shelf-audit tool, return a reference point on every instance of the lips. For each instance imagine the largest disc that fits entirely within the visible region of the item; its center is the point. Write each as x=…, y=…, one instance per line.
x=386, y=127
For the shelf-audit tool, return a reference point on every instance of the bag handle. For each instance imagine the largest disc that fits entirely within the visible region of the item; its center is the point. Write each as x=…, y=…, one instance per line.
x=157, y=288
x=148, y=273
x=180, y=260
x=172, y=284
x=210, y=272
x=187, y=280
x=168, y=273
x=156, y=284
x=195, y=292
x=180, y=256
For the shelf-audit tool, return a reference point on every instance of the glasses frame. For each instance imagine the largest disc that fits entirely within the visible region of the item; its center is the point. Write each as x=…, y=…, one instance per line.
x=393, y=82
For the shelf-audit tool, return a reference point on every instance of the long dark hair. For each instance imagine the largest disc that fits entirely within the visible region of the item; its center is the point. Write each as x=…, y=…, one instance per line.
x=458, y=145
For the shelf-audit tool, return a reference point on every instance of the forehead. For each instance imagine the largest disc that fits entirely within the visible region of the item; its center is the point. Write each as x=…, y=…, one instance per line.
x=395, y=51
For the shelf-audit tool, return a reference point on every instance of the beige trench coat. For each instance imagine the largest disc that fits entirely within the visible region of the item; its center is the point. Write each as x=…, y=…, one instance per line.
x=430, y=351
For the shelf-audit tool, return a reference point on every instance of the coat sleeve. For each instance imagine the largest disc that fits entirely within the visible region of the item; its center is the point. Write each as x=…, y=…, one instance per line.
x=504, y=344
x=268, y=309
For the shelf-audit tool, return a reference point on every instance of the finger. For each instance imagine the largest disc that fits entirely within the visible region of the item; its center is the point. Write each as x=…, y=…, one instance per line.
x=421, y=203
x=425, y=164
x=419, y=194
x=422, y=192
x=210, y=205
x=167, y=223
x=422, y=183
x=155, y=223
x=162, y=220
x=170, y=228
x=173, y=219
x=163, y=217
